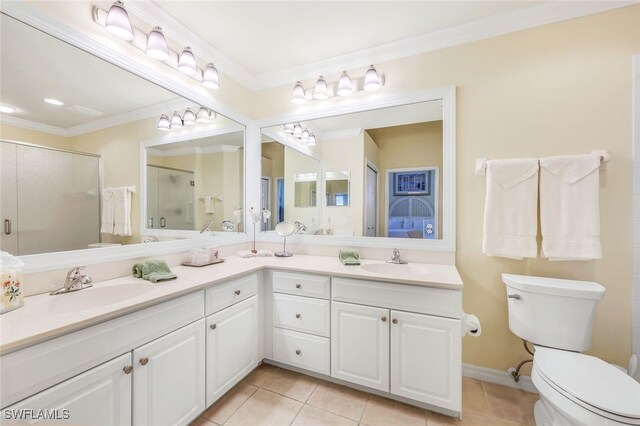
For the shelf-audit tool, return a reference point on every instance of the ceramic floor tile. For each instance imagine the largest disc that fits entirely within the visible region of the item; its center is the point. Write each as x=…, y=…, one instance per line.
x=294, y=385
x=229, y=403
x=468, y=419
x=474, y=398
x=201, y=421
x=261, y=374
x=266, y=408
x=509, y=404
x=386, y=412
x=311, y=416
x=338, y=399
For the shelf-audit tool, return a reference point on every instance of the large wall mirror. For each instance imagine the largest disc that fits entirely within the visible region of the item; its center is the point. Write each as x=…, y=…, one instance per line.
x=383, y=170
x=74, y=175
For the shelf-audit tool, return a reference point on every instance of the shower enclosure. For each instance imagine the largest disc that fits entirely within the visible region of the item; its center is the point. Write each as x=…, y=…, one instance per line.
x=170, y=198
x=49, y=200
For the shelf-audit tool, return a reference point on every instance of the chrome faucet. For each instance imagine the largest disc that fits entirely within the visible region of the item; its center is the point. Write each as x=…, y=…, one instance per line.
x=151, y=239
x=75, y=281
x=207, y=227
x=396, y=259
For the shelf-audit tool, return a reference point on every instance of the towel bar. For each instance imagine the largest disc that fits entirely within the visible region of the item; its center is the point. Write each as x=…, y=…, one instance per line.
x=481, y=163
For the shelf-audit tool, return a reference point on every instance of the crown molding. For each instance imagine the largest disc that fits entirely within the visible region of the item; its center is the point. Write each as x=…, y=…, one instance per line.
x=33, y=125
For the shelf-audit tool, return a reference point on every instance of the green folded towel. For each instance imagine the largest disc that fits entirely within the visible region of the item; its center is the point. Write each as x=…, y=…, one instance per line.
x=153, y=270
x=349, y=257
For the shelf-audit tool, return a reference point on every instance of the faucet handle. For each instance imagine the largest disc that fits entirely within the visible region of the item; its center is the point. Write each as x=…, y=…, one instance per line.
x=75, y=271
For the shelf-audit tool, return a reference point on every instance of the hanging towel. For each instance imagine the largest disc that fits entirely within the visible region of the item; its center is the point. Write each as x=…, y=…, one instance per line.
x=510, y=210
x=106, y=220
x=570, y=207
x=122, y=211
x=208, y=204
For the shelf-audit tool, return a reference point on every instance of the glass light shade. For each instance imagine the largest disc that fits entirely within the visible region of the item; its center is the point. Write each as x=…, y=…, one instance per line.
x=344, y=85
x=372, y=79
x=176, y=121
x=164, y=123
x=213, y=115
x=203, y=115
x=187, y=62
x=157, y=45
x=189, y=118
x=298, y=95
x=288, y=128
x=320, y=90
x=210, y=77
x=305, y=136
x=312, y=140
x=118, y=23
x=297, y=130
x=7, y=109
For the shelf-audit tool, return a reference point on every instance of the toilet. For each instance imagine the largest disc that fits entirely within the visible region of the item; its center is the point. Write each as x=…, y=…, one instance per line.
x=557, y=317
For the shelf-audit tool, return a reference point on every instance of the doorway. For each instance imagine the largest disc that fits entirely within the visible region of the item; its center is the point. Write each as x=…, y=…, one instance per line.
x=371, y=201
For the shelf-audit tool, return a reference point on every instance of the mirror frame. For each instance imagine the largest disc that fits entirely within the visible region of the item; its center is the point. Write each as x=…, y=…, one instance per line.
x=448, y=173
x=66, y=259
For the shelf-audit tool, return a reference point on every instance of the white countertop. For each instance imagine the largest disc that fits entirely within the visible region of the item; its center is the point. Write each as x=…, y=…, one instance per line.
x=41, y=319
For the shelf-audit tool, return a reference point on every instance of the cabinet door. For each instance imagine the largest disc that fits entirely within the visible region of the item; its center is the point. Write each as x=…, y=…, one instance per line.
x=360, y=345
x=100, y=396
x=169, y=378
x=232, y=346
x=426, y=359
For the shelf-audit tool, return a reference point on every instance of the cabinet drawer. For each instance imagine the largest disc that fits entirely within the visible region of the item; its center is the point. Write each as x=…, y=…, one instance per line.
x=302, y=314
x=301, y=284
x=224, y=295
x=434, y=301
x=302, y=350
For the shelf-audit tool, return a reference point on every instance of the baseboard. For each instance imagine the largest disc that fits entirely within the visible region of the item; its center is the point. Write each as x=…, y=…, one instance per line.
x=498, y=377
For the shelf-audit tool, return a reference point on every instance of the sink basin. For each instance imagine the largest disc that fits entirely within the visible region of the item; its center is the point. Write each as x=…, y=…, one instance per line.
x=393, y=269
x=95, y=297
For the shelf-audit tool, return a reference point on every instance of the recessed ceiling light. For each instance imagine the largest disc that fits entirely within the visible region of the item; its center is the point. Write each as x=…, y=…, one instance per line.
x=53, y=102
x=6, y=109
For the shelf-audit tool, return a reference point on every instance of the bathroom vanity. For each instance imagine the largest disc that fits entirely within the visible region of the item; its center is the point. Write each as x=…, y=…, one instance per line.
x=121, y=362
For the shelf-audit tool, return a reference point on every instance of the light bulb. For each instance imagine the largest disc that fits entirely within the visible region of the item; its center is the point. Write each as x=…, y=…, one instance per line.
x=176, y=120
x=203, y=115
x=187, y=62
x=344, y=85
x=117, y=23
x=164, y=123
x=7, y=109
x=213, y=115
x=298, y=95
x=312, y=140
x=305, y=136
x=210, y=77
x=297, y=130
x=189, y=118
x=320, y=90
x=372, y=79
x=157, y=45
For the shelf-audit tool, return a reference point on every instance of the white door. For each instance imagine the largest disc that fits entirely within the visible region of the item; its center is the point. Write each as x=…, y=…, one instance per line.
x=169, y=378
x=100, y=396
x=425, y=359
x=371, y=203
x=232, y=346
x=360, y=345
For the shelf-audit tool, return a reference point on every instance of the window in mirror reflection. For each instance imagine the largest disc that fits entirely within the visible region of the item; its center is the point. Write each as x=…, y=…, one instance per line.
x=337, y=189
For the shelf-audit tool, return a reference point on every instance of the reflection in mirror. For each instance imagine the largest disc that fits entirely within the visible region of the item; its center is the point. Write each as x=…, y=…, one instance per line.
x=192, y=182
x=70, y=172
x=305, y=189
x=337, y=188
x=391, y=161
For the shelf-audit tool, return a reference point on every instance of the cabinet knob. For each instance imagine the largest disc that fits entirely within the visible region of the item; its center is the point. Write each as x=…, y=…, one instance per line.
x=384, y=319
x=298, y=316
x=237, y=292
x=298, y=286
x=144, y=360
x=395, y=321
x=213, y=326
x=298, y=351
x=128, y=369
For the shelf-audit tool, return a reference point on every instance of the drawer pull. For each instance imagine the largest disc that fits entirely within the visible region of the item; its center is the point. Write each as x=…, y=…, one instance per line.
x=298, y=316
x=144, y=360
x=395, y=321
x=213, y=326
x=384, y=319
x=127, y=369
x=237, y=292
x=298, y=286
x=298, y=351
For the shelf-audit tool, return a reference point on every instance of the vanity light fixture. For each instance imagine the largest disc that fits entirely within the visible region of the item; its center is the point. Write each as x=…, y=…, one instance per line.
x=203, y=115
x=6, y=109
x=55, y=102
x=288, y=128
x=372, y=79
x=157, y=45
x=300, y=133
x=164, y=123
x=298, y=96
x=344, y=85
x=320, y=90
x=176, y=120
x=118, y=23
x=189, y=118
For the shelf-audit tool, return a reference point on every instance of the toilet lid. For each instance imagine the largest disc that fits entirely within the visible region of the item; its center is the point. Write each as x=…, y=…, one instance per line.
x=591, y=381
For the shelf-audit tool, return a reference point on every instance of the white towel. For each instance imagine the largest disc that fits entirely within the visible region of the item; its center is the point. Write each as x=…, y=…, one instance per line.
x=106, y=220
x=122, y=211
x=570, y=207
x=510, y=210
x=209, y=204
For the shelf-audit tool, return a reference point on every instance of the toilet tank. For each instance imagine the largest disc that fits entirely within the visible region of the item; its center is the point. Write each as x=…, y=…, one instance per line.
x=552, y=312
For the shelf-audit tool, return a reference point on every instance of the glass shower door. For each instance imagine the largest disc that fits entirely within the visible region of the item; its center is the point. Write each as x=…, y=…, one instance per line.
x=175, y=199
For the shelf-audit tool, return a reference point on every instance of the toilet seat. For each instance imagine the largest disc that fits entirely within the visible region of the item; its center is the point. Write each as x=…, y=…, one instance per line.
x=591, y=383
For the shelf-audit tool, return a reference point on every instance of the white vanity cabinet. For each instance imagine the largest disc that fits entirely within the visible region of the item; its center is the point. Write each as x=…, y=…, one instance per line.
x=232, y=325
x=169, y=378
x=377, y=343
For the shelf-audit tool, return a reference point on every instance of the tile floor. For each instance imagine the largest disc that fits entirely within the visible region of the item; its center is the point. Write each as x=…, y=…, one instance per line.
x=273, y=396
